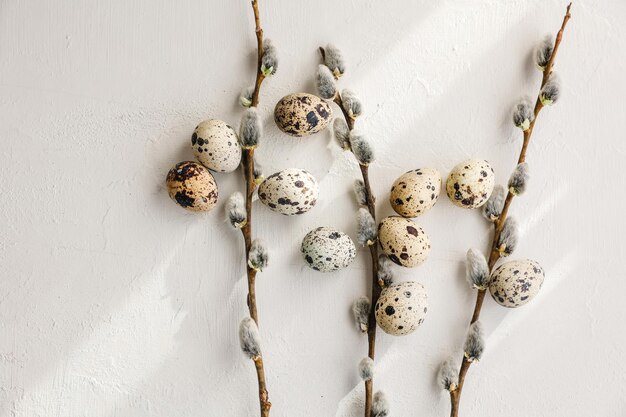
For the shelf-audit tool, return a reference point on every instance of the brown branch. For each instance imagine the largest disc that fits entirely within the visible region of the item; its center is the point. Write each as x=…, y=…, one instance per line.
x=376, y=288
x=246, y=230
x=259, y=42
x=494, y=254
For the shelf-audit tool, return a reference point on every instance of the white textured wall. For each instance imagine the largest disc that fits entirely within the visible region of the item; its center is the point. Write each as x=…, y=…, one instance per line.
x=115, y=302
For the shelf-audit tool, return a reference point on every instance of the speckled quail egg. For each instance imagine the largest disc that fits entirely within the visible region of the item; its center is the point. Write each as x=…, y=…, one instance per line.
x=470, y=183
x=326, y=249
x=401, y=308
x=192, y=186
x=515, y=283
x=415, y=192
x=302, y=114
x=291, y=191
x=403, y=241
x=216, y=146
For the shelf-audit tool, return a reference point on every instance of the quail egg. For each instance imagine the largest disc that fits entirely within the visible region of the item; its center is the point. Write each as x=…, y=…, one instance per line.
x=326, y=249
x=403, y=241
x=216, y=146
x=470, y=183
x=515, y=283
x=291, y=191
x=192, y=186
x=415, y=192
x=302, y=114
x=401, y=308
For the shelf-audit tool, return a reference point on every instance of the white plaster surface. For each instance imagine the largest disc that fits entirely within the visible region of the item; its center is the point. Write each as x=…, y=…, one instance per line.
x=114, y=302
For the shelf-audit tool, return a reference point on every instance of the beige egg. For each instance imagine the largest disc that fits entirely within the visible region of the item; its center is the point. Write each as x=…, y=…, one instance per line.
x=470, y=183
x=291, y=191
x=403, y=241
x=515, y=283
x=302, y=114
x=216, y=146
x=192, y=186
x=415, y=192
x=401, y=308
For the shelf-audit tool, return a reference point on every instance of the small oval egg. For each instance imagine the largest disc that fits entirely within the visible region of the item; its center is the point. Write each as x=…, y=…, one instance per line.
x=401, y=308
x=403, y=241
x=192, y=186
x=291, y=191
x=302, y=114
x=216, y=146
x=327, y=249
x=515, y=283
x=470, y=183
x=415, y=192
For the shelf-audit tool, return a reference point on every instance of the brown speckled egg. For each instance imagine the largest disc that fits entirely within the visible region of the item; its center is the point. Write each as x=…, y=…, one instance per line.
x=415, y=192
x=216, y=146
x=470, y=183
x=403, y=241
x=401, y=308
x=302, y=114
x=192, y=186
x=515, y=283
x=291, y=191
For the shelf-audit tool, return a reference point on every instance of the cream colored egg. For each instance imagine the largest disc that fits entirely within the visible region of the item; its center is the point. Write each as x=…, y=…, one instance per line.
x=302, y=114
x=192, y=186
x=403, y=241
x=415, y=192
x=470, y=183
x=401, y=308
x=289, y=192
x=216, y=146
x=327, y=249
x=515, y=283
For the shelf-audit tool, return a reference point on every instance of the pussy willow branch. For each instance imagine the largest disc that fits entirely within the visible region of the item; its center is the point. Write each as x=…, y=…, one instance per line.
x=376, y=287
x=494, y=255
x=246, y=230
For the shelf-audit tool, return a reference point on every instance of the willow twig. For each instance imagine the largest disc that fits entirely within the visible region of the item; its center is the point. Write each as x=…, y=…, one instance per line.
x=246, y=230
x=376, y=288
x=494, y=254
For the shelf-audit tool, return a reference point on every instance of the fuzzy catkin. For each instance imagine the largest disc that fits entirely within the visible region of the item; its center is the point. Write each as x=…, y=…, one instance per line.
x=250, y=128
x=519, y=179
x=385, y=271
x=258, y=173
x=245, y=98
x=351, y=103
x=448, y=377
x=474, y=343
x=366, y=228
x=269, y=60
x=249, y=338
x=366, y=368
x=360, y=193
x=341, y=133
x=477, y=270
x=523, y=114
x=334, y=60
x=236, y=210
x=258, y=256
x=380, y=405
x=361, y=148
x=507, y=240
x=493, y=207
x=543, y=53
x=551, y=91
x=361, y=312
x=326, y=86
